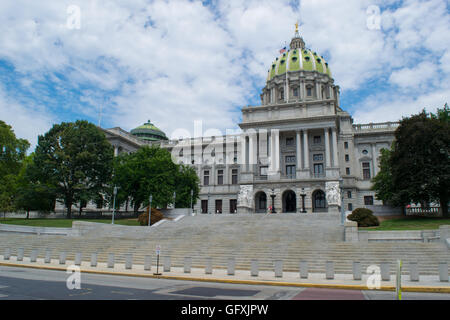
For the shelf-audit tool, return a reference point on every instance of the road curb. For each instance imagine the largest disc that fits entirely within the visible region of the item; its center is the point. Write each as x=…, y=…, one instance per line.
x=430, y=289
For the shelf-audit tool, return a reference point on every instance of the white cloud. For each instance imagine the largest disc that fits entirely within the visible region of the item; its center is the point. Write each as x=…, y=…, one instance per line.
x=415, y=77
x=27, y=121
x=193, y=62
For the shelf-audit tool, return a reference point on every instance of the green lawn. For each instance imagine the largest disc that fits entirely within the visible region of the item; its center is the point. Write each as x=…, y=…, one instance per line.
x=410, y=223
x=63, y=223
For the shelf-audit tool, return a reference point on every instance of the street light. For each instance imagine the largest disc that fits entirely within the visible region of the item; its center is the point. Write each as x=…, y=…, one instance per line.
x=114, y=204
x=303, y=195
x=174, y=198
x=150, y=209
x=341, y=186
x=272, y=195
x=209, y=212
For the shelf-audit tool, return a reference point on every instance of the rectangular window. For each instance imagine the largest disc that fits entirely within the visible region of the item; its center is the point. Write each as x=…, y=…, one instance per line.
x=318, y=157
x=368, y=200
x=289, y=141
x=318, y=169
x=366, y=170
x=295, y=92
x=350, y=207
x=218, y=206
x=233, y=206
x=345, y=145
x=309, y=92
x=347, y=171
x=347, y=158
x=206, y=177
x=290, y=171
x=349, y=194
x=234, y=176
x=220, y=177
x=290, y=159
x=263, y=171
x=317, y=139
x=204, y=206
x=281, y=94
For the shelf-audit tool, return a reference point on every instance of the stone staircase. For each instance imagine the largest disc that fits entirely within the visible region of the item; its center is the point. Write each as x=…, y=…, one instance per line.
x=291, y=238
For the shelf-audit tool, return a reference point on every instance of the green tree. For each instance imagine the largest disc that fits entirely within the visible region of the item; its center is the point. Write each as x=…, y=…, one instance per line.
x=12, y=150
x=31, y=195
x=76, y=159
x=185, y=181
x=420, y=159
x=12, y=154
x=383, y=184
x=8, y=187
x=149, y=170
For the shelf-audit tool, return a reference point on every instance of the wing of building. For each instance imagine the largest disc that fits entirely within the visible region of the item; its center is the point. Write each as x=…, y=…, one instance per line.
x=298, y=149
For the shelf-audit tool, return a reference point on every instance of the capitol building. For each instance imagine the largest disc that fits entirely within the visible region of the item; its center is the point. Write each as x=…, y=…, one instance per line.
x=299, y=150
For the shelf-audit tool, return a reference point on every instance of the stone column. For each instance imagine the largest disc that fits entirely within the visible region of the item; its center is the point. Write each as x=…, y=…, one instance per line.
x=305, y=149
x=303, y=90
x=335, y=151
x=316, y=87
x=244, y=152
x=274, y=152
x=287, y=88
x=374, y=159
x=277, y=150
x=327, y=148
x=251, y=151
x=116, y=151
x=299, y=153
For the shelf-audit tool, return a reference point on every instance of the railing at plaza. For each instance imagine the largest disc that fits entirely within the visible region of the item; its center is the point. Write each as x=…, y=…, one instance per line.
x=376, y=126
x=423, y=210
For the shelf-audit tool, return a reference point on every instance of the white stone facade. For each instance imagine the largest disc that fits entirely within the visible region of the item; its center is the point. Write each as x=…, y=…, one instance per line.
x=293, y=145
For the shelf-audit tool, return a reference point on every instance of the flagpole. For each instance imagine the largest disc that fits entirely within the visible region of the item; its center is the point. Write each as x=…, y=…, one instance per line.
x=287, y=87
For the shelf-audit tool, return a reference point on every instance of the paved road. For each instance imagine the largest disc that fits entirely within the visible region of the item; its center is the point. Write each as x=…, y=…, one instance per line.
x=33, y=284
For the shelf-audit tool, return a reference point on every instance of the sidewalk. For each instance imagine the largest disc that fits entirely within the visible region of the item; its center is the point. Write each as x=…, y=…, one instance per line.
x=315, y=280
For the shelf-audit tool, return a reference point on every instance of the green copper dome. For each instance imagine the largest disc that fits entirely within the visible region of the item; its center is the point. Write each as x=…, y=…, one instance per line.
x=296, y=59
x=148, y=132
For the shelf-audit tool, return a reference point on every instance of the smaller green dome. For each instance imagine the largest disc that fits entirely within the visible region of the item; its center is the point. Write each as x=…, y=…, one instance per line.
x=148, y=132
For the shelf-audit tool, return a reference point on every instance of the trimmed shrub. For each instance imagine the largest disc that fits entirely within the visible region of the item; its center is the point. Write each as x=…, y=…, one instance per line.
x=155, y=217
x=364, y=217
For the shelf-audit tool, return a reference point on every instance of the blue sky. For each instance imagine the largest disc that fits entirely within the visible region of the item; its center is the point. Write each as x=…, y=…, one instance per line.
x=176, y=61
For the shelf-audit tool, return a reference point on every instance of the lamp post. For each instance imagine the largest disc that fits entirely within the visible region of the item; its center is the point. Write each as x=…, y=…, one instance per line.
x=150, y=209
x=303, y=195
x=192, y=195
x=114, y=204
x=272, y=195
x=209, y=212
x=341, y=186
x=174, y=198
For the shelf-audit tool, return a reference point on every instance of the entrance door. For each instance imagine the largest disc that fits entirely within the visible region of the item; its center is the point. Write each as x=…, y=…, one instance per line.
x=289, y=201
x=261, y=202
x=218, y=206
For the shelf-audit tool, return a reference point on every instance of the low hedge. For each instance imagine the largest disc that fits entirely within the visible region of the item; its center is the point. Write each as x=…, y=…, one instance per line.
x=155, y=217
x=364, y=217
